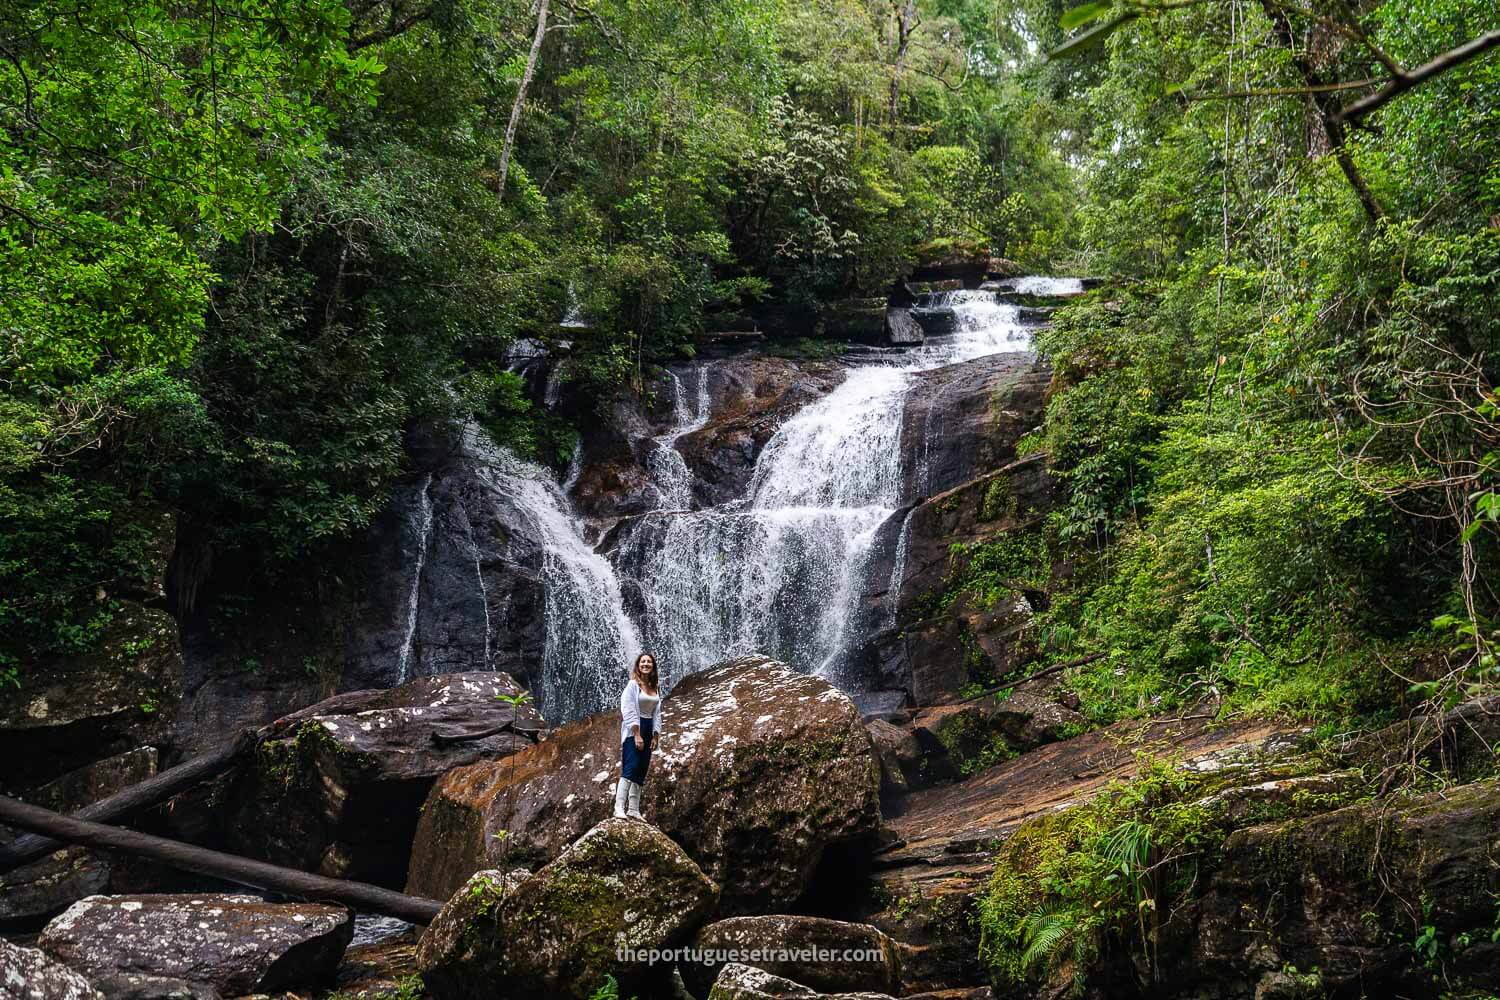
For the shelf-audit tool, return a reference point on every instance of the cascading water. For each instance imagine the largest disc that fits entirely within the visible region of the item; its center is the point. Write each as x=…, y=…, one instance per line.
x=422, y=524
x=780, y=571
x=573, y=312
x=588, y=634
x=669, y=473
x=1041, y=285
x=777, y=571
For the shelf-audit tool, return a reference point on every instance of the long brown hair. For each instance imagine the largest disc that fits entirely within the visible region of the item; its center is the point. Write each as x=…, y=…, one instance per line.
x=640, y=677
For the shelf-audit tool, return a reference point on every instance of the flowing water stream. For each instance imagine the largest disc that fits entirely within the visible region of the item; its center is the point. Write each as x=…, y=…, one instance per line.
x=587, y=631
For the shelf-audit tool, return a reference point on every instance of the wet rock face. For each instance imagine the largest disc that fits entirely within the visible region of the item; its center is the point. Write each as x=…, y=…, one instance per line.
x=761, y=770
x=748, y=398
x=934, y=652
x=623, y=885
x=900, y=756
x=964, y=420
x=49, y=885
x=453, y=563
x=879, y=969
x=346, y=777
x=29, y=974
x=233, y=944
x=745, y=982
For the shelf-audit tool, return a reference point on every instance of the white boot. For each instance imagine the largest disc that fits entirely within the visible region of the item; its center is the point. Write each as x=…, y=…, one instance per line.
x=622, y=789
x=635, y=802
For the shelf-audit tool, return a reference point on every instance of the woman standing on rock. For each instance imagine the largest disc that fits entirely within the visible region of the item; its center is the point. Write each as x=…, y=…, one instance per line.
x=640, y=731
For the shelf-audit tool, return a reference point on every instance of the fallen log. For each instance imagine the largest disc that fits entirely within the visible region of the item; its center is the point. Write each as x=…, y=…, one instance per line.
x=1056, y=668
x=357, y=895
x=24, y=850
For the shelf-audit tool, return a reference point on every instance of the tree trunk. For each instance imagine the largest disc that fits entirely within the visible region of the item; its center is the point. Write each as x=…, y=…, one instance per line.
x=1325, y=109
x=515, y=109
x=24, y=850
x=357, y=895
x=905, y=24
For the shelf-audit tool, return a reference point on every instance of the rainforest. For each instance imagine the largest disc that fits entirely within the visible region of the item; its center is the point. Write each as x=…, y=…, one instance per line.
x=1051, y=450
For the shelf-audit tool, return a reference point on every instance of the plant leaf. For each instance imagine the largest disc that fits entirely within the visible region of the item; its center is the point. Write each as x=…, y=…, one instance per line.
x=1083, y=14
x=1091, y=38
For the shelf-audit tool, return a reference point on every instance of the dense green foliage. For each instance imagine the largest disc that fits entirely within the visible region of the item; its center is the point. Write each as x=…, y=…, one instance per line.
x=1276, y=430
x=245, y=246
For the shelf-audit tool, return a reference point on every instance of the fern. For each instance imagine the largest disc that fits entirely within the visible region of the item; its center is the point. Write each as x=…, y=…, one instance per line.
x=1046, y=933
x=609, y=990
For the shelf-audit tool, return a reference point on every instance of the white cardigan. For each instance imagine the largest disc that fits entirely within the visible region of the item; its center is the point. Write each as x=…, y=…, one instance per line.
x=630, y=710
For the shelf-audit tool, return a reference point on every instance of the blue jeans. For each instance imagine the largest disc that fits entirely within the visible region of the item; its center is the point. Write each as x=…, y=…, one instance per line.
x=633, y=762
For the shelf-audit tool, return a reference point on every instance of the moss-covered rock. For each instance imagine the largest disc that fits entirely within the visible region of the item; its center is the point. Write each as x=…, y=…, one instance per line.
x=760, y=772
x=622, y=888
x=69, y=713
x=1392, y=898
x=459, y=947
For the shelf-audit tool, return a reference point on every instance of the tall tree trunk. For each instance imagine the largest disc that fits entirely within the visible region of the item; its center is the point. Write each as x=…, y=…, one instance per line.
x=515, y=109
x=1324, y=107
x=906, y=23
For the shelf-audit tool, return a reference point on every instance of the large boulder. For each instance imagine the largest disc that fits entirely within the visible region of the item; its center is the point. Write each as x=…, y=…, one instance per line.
x=623, y=887
x=901, y=329
x=346, y=777
x=458, y=946
x=1348, y=892
x=761, y=771
x=746, y=982
x=979, y=731
x=29, y=974
x=233, y=944
x=51, y=884
x=819, y=953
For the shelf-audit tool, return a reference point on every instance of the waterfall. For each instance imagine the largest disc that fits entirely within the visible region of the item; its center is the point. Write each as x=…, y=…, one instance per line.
x=1038, y=285
x=898, y=571
x=669, y=473
x=572, y=313
x=784, y=569
x=781, y=570
x=423, y=527
x=588, y=636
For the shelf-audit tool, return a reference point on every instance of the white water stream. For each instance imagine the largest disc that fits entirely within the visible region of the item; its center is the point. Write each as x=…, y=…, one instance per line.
x=588, y=633
x=782, y=570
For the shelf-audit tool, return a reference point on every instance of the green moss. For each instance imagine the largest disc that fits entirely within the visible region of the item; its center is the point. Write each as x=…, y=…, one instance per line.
x=1068, y=885
x=999, y=500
